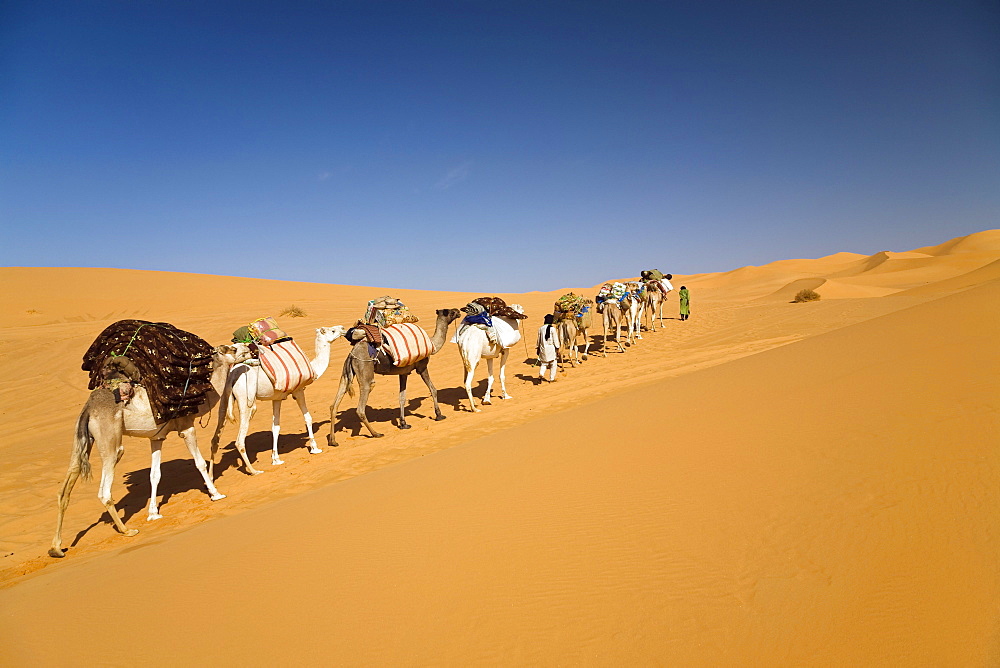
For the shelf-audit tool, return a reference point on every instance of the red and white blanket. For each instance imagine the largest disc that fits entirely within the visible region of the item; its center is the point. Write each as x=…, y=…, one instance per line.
x=286, y=365
x=407, y=343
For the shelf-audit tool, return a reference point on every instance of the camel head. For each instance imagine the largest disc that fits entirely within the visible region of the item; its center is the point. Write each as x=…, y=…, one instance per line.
x=450, y=315
x=230, y=354
x=331, y=334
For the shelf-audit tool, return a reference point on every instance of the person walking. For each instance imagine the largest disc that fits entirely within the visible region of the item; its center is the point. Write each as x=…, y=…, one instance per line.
x=547, y=349
x=685, y=299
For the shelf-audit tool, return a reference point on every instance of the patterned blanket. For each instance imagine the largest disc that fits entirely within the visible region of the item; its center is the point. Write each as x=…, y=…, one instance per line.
x=174, y=366
x=498, y=307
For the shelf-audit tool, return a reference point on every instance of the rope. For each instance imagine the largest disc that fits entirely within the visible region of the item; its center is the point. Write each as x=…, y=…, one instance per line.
x=187, y=381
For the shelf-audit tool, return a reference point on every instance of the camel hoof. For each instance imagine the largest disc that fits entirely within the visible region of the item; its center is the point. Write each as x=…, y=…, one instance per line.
x=56, y=553
x=154, y=516
x=474, y=410
x=487, y=402
x=404, y=426
x=217, y=497
x=377, y=435
x=314, y=451
x=130, y=532
x=276, y=462
x=439, y=418
x=584, y=357
x=506, y=397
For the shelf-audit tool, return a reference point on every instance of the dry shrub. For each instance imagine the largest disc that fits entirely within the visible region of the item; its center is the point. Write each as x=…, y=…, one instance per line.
x=293, y=311
x=806, y=296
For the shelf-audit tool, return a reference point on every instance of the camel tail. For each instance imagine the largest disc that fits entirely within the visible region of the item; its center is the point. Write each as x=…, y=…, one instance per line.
x=83, y=443
x=348, y=375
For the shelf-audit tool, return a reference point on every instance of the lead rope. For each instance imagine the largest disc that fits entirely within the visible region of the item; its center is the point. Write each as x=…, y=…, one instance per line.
x=524, y=341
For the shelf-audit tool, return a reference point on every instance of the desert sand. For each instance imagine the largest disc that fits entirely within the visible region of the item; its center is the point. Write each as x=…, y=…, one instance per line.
x=767, y=483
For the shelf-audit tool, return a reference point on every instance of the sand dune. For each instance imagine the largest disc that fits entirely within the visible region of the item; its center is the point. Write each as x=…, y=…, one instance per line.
x=765, y=484
x=985, y=241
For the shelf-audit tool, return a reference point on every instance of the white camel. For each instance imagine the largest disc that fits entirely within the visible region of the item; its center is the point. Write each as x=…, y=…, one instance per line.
x=636, y=309
x=103, y=421
x=474, y=345
x=248, y=383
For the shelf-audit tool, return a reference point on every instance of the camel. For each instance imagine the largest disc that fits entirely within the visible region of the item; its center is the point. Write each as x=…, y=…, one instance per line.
x=635, y=311
x=614, y=313
x=654, y=300
x=104, y=421
x=570, y=329
x=474, y=345
x=248, y=383
x=361, y=364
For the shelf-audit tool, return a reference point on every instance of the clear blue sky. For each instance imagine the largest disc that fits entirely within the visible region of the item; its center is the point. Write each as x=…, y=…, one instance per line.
x=491, y=146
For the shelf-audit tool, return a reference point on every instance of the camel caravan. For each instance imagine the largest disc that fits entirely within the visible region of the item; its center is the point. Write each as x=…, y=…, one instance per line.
x=149, y=379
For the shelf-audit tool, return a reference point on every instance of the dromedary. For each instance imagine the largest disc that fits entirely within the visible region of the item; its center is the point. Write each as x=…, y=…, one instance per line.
x=473, y=345
x=104, y=421
x=570, y=329
x=636, y=303
x=361, y=364
x=614, y=313
x=248, y=383
x=654, y=299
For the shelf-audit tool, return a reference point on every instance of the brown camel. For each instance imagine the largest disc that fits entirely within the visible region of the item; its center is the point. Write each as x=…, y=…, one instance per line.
x=104, y=421
x=570, y=329
x=615, y=314
x=361, y=364
x=654, y=299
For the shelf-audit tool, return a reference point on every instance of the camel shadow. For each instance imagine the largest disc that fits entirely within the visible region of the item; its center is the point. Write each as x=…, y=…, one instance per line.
x=259, y=444
x=348, y=420
x=454, y=396
x=176, y=477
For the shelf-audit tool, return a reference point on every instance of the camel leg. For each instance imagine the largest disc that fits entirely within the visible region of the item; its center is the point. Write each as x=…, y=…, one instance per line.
x=224, y=402
x=55, y=550
x=109, y=459
x=604, y=347
x=470, y=372
x=366, y=389
x=191, y=441
x=426, y=376
x=503, y=378
x=154, y=478
x=402, y=401
x=300, y=399
x=246, y=412
x=331, y=439
x=275, y=431
x=488, y=397
x=81, y=453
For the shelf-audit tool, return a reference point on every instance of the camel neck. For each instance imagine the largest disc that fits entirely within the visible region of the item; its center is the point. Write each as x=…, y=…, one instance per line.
x=321, y=358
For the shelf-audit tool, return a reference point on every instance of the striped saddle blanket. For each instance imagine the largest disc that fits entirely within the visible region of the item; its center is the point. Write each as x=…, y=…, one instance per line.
x=286, y=365
x=407, y=343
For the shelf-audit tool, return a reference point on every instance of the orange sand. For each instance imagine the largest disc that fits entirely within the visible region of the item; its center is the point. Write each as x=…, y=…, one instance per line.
x=765, y=484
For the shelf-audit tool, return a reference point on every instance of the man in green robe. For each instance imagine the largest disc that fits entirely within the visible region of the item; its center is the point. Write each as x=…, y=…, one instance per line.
x=685, y=300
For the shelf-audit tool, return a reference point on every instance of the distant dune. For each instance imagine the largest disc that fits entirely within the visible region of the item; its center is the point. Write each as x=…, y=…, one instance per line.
x=767, y=483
